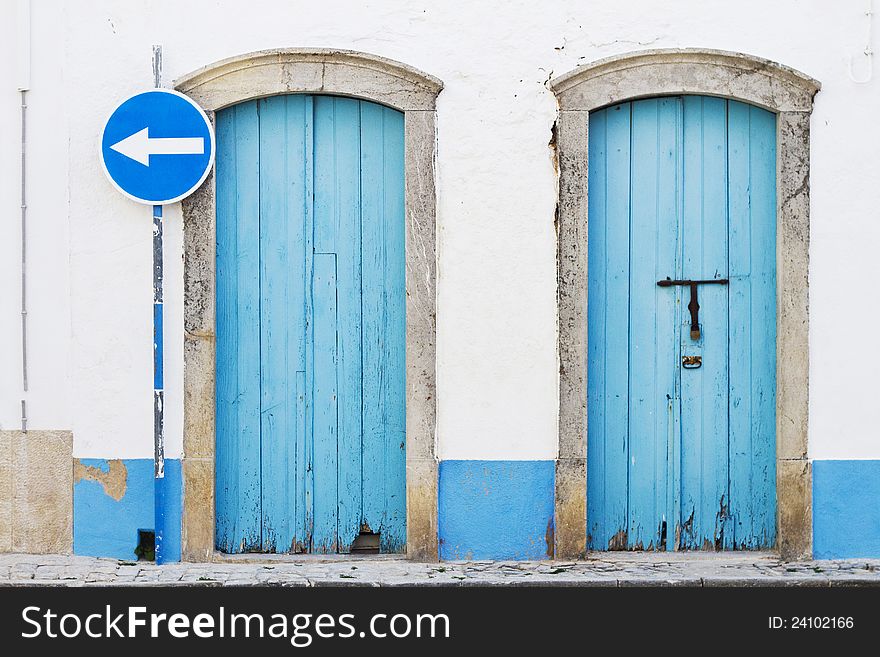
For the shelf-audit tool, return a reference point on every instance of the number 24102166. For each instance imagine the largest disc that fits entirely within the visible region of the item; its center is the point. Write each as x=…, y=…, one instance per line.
x=811, y=623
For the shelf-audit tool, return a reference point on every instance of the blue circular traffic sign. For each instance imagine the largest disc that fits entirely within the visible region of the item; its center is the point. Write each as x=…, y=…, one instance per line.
x=157, y=147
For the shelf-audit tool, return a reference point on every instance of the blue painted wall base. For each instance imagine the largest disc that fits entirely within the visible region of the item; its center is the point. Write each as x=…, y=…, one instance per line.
x=496, y=509
x=846, y=509
x=487, y=510
x=106, y=527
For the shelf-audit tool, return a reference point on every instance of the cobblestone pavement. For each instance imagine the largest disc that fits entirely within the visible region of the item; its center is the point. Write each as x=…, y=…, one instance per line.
x=606, y=569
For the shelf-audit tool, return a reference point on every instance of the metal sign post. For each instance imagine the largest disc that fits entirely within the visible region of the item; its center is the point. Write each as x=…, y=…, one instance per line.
x=157, y=148
x=158, y=386
x=158, y=375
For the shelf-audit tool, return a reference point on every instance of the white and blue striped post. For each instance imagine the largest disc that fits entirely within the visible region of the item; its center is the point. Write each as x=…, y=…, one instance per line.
x=158, y=386
x=158, y=377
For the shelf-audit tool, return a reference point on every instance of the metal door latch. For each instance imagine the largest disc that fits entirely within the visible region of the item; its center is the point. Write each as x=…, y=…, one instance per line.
x=693, y=306
x=691, y=362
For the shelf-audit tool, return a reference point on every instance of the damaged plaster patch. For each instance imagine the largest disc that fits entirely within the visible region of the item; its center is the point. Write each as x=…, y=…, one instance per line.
x=114, y=480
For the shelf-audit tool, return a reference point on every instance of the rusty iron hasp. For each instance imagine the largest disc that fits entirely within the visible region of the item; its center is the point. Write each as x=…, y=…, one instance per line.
x=694, y=305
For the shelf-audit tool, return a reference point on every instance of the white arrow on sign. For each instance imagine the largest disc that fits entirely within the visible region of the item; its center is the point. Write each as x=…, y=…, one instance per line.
x=140, y=146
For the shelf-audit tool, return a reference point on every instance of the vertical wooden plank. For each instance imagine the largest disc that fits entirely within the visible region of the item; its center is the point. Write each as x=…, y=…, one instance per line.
x=282, y=322
x=348, y=335
x=667, y=354
x=763, y=246
x=274, y=397
x=325, y=413
x=301, y=192
x=337, y=232
x=714, y=319
x=306, y=447
x=394, y=354
x=688, y=535
x=652, y=335
x=752, y=202
x=226, y=484
x=323, y=485
x=674, y=446
x=704, y=401
x=597, y=255
x=238, y=347
x=617, y=321
x=608, y=378
x=248, y=355
x=689, y=532
x=740, y=332
x=384, y=325
x=643, y=529
x=373, y=256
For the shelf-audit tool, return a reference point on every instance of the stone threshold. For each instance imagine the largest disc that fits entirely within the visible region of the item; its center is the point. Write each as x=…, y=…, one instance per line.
x=599, y=569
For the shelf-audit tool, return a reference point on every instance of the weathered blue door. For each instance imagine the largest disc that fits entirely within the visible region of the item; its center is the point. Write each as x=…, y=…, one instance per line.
x=310, y=415
x=681, y=400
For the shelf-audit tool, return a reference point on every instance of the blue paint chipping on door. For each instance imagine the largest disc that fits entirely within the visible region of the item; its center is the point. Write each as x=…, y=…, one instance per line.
x=678, y=459
x=311, y=325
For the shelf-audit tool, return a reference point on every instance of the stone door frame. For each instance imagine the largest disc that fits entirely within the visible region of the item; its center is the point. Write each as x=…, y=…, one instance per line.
x=343, y=73
x=788, y=94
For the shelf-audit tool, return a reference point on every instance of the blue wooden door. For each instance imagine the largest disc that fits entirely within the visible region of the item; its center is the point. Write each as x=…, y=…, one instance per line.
x=681, y=425
x=310, y=406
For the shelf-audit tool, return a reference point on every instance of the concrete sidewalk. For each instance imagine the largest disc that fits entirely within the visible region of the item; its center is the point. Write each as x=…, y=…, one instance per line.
x=600, y=569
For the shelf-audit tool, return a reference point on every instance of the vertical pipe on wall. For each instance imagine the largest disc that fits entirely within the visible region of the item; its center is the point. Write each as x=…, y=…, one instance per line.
x=24, y=75
x=868, y=52
x=158, y=378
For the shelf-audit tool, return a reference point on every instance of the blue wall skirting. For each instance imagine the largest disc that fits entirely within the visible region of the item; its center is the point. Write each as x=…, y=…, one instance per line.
x=846, y=509
x=487, y=510
x=495, y=509
x=106, y=527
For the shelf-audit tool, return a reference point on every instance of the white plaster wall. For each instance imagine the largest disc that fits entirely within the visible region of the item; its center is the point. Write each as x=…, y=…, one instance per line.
x=497, y=369
x=49, y=303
